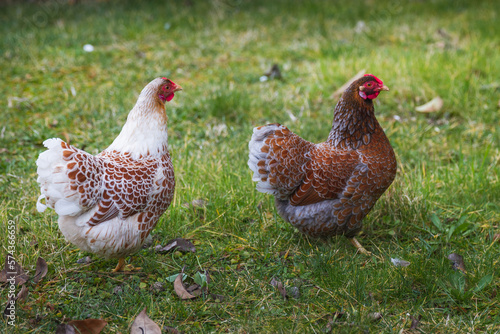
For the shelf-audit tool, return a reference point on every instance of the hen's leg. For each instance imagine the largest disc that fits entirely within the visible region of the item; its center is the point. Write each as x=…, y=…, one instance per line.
x=359, y=247
x=120, y=265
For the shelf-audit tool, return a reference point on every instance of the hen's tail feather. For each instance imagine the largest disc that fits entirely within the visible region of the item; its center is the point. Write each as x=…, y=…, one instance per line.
x=277, y=158
x=55, y=185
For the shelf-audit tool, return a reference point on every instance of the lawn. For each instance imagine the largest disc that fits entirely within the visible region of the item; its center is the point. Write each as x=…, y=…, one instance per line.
x=445, y=198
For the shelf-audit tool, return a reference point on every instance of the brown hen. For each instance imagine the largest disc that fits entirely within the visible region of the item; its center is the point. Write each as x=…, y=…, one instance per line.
x=327, y=189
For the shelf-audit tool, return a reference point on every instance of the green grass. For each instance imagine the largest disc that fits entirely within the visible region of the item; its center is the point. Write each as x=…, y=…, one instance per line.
x=448, y=161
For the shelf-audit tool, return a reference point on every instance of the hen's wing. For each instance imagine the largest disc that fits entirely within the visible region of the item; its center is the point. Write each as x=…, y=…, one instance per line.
x=277, y=158
x=327, y=174
x=127, y=185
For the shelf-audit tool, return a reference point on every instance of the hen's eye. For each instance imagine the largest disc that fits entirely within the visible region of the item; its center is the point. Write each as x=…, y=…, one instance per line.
x=369, y=84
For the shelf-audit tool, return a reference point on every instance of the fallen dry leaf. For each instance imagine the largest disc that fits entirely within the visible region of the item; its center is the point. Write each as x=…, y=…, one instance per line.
x=400, y=263
x=457, y=262
x=41, y=270
x=274, y=72
x=432, y=106
x=496, y=237
x=180, y=290
x=88, y=326
x=339, y=91
x=194, y=289
x=179, y=244
x=144, y=325
x=415, y=321
x=274, y=282
x=282, y=290
x=22, y=294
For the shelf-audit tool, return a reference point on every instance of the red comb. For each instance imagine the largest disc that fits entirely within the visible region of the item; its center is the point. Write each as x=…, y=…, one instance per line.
x=376, y=79
x=164, y=78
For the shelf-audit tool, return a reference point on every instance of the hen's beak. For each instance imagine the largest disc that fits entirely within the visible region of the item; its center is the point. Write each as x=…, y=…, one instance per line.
x=176, y=88
x=384, y=87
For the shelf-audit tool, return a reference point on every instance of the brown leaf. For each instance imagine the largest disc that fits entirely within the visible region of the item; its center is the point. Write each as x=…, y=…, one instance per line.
x=22, y=294
x=432, y=106
x=194, y=289
x=274, y=72
x=180, y=290
x=415, y=321
x=179, y=244
x=274, y=282
x=41, y=270
x=144, y=325
x=339, y=91
x=457, y=262
x=282, y=290
x=88, y=326
x=13, y=271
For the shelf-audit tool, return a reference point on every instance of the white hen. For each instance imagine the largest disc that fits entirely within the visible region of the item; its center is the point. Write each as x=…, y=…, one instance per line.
x=109, y=203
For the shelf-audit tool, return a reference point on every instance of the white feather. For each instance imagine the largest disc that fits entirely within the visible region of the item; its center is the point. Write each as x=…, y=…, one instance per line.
x=255, y=146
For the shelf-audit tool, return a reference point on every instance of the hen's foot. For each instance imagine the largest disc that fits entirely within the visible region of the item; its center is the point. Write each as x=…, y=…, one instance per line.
x=359, y=247
x=130, y=267
x=119, y=266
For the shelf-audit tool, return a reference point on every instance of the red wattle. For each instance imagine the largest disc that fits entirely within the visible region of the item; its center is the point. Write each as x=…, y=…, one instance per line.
x=170, y=97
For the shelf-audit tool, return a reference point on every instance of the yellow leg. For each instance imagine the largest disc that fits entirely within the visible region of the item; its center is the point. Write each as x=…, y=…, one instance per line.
x=120, y=265
x=359, y=247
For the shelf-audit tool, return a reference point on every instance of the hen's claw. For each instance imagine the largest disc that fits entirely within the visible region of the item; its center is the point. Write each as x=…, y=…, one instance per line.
x=119, y=266
x=359, y=247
